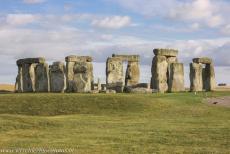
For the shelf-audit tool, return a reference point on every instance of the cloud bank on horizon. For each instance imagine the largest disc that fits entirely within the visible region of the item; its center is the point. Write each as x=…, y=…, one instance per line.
x=55, y=29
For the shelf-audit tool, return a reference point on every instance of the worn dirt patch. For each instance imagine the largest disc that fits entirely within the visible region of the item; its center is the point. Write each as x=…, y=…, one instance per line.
x=221, y=101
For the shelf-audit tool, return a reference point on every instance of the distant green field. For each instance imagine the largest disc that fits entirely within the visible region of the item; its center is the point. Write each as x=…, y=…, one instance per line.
x=115, y=123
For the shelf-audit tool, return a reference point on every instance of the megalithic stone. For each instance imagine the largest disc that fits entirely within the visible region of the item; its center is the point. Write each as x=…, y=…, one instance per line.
x=19, y=82
x=196, y=80
x=132, y=73
x=176, y=77
x=57, y=77
x=114, y=74
x=70, y=62
x=159, y=73
x=28, y=77
x=209, y=77
x=82, y=76
x=42, y=78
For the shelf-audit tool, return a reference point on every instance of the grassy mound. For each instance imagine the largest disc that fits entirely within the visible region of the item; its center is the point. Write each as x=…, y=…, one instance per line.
x=120, y=123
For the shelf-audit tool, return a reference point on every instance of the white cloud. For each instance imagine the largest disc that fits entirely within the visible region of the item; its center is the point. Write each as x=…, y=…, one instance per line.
x=20, y=19
x=33, y=1
x=206, y=13
x=114, y=22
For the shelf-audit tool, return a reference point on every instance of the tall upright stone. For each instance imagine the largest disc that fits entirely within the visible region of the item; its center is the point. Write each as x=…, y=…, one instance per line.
x=71, y=74
x=196, y=80
x=42, y=78
x=132, y=76
x=82, y=76
x=159, y=73
x=57, y=77
x=176, y=77
x=114, y=74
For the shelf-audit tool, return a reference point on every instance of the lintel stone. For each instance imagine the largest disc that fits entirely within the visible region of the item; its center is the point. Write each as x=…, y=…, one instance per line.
x=204, y=60
x=165, y=52
x=30, y=61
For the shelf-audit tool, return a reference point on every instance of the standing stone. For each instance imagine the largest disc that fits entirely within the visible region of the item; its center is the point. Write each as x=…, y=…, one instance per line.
x=82, y=77
x=132, y=73
x=28, y=77
x=70, y=63
x=57, y=77
x=176, y=77
x=19, y=83
x=159, y=73
x=196, y=80
x=114, y=74
x=42, y=78
x=209, y=77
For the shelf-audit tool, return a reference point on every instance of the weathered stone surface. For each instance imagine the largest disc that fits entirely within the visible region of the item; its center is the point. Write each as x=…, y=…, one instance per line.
x=30, y=61
x=42, y=78
x=70, y=62
x=57, y=77
x=131, y=58
x=132, y=73
x=196, y=80
x=176, y=77
x=114, y=73
x=118, y=86
x=172, y=60
x=165, y=52
x=204, y=60
x=28, y=77
x=159, y=73
x=73, y=58
x=209, y=82
x=69, y=76
x=82, y=77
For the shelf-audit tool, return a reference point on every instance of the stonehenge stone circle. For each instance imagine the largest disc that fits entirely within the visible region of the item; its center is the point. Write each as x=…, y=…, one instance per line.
x=57, y=77
x=35, y=75
x=202, y=78
x=167, y=73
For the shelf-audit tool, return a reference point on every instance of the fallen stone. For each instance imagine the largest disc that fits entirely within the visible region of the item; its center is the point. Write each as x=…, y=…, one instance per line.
x=118, y=86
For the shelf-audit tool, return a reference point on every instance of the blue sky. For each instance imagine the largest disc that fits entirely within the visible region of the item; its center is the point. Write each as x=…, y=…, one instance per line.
x=57, y=28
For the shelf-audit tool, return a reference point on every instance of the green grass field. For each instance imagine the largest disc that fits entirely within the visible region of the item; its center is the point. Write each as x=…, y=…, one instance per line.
x=118, y=123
